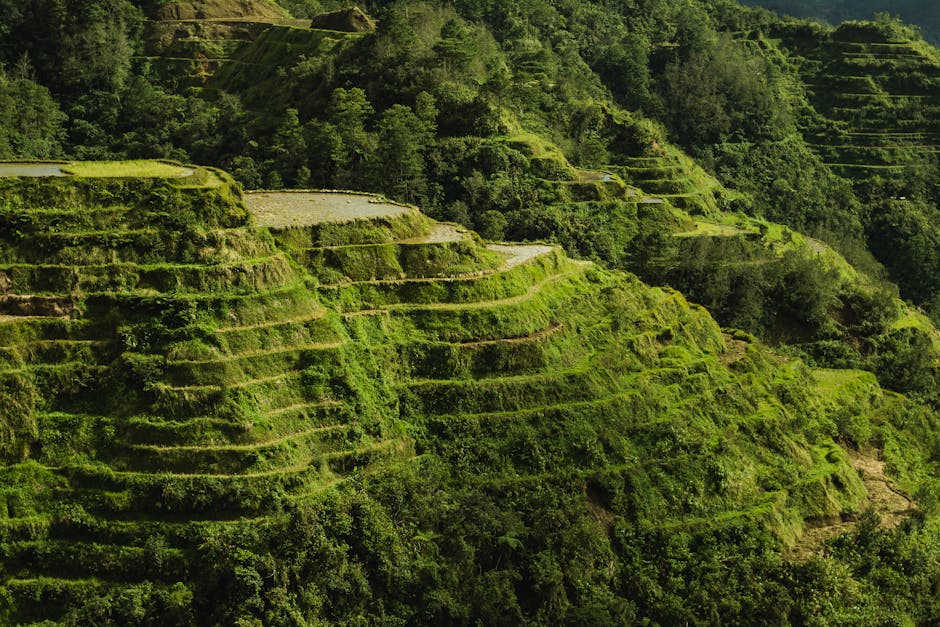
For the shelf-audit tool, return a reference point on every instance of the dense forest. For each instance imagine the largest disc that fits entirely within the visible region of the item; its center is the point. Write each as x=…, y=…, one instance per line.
x=917, y=12
x=654, y=439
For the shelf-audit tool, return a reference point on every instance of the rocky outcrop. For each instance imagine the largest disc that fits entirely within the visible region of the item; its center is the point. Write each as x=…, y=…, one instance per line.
x=351, y=20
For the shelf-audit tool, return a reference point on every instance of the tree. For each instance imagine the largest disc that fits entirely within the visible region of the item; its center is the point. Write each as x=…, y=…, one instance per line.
x=398, y=165
x=349, y=142
x=624, y=68
x=288, y=147
x=31, y=124
x=719, y=93
x=456, y=47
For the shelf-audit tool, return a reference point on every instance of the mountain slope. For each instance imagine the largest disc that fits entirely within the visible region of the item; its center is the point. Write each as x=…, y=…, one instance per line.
x=916, y=12
x=198, y=381
x=295, y=407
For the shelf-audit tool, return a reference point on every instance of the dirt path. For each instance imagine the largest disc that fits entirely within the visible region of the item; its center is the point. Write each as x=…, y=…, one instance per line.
x=4, y=318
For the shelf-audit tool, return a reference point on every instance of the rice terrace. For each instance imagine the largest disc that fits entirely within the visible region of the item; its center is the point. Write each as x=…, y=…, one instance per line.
x=524, y=313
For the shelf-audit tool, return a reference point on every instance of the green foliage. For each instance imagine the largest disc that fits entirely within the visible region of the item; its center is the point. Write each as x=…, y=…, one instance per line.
x=789, y=183
x=720, y=93
x=913, y=12
x=402, y=139
x=31, y=124
x=351, y=423
x=271, y=429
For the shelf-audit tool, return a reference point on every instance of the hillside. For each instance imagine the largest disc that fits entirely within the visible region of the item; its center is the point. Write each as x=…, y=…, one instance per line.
x=184, y=376
x=660, y=345
x=918, y=12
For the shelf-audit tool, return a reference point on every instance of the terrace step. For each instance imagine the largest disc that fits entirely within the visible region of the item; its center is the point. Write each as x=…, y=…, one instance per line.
x=232, y=371
x=244, y=275
x=101, y=489
x=225, y=459
x=44, y=599
x=480, y=358
x=520, y=269
x=532, y=292
x=118, y=562
x=204, y=430
x=500, y=394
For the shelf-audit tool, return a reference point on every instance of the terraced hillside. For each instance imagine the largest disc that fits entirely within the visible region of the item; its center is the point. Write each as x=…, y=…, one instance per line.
x=188, y=42
x=656, y=175
x=176, y=371
x=672, y=177
x=878, y=95
x=170, y=369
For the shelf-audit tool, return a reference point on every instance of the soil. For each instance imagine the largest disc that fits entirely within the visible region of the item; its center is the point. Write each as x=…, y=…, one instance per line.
x=735, y=350
x=214, y=9
x=816, y=246
x=517, y=254
x=440, y=234
x=28, y=306
x=890, y=504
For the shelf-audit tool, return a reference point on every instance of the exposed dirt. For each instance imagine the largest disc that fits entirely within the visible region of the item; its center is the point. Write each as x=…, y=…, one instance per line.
x=736, y=349
x=161, y=36
x=212, y=9
x=351, y=20
x=517, y=254
x=816, y=246
x=98, y=170
x=18, y=306
x=891, y=505
x=281, y=210
x=440, y=234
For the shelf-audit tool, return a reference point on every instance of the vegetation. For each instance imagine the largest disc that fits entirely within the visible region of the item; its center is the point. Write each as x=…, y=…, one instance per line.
x=916, y=12
x=221, y=408
x=202, y=417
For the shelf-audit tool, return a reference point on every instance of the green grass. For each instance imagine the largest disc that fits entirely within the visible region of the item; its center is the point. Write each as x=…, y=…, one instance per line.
x=127, y=169
x=911, y=318
x=710, y=229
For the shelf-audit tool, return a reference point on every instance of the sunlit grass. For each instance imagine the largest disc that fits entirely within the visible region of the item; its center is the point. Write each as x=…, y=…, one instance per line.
x=127, y=169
